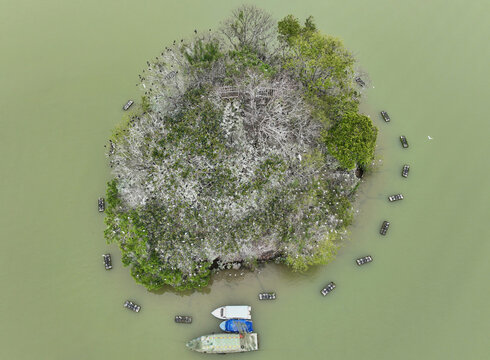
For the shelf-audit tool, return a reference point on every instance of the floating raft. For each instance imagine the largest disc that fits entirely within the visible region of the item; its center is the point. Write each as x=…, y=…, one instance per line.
x=328, y=288
x=182, y=319
x=267, y=296
x=224, y=343
x=132, y=306
x=395, y=197
x=101, y=204
x=360, y=81
x=128, y=105
x=384, y=227
x=404, y=142
x=107, y=261
x=405, y=170
x=364, y=260
x=385, y=116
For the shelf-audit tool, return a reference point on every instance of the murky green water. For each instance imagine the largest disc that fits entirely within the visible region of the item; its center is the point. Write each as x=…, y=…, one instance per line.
x=66, y=68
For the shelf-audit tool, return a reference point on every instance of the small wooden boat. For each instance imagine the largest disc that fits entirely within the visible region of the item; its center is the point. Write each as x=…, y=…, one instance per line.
x=385, y=116
x=101, y=204
x=237, y=326
x=183, y=319
x=233, y=312
x=328, y=288
x=107, y=261
x=132, y=306
x=364, y=260
x=405, y=170
x=404, y=142
x=128, y=105
x=360, y=81
x=395, y=197
x=384, y=227
x=267, y=296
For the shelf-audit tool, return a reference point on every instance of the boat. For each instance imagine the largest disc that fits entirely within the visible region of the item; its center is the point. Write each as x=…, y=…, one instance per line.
x=360, y=81
x=328, y=288
x=233, y=312
x=107, y=261
x=385, y=116
x=128, y=105
x=404, y=142
x=405, y=170
x=395, y=197
x=237, y=326
x=384, y=227
x=183, y=319
x=101, y=204
x=364, y=260
x=224, y=343
x=267, y=296
x=132, y=306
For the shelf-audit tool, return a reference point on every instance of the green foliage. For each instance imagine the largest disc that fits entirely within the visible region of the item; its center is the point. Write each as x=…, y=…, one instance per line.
x=202, y=54
x=243, y=59
x=145, y=104
x=290, y=28
x=352, y=140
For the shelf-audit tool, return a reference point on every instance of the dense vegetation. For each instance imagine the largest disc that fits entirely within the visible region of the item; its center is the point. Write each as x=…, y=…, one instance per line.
x=242, y=151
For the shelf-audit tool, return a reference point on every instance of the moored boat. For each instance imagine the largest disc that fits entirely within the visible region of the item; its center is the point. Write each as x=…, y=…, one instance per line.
x=224, y=343
x=404, y=141
x=107, y=261
x=364, y=260
x=360, y=81
x=328, y=288
x=128, y=105
x=385, y=116
x=132, y=306
x=267, y=296
x=384, y=227
x=183, y=319
x=405, y=170
x=395, y=197
x=233, y=312
x=237, y=326
x=101, y=204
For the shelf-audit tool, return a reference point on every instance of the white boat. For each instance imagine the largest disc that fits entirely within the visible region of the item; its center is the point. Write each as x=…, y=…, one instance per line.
x=233, y=312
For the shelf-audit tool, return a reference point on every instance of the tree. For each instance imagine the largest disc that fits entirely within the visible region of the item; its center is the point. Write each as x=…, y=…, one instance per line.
x=352, y=140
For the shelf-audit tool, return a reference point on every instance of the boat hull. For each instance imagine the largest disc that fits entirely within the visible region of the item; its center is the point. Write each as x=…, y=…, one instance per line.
x=233, y=312
x=224, y=343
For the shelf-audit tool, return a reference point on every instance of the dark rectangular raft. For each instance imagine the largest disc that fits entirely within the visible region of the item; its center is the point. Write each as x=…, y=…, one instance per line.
x=328, y=288
x=132, y=306
x=405, y=170
x=183, y=319
x=107, y=261
x=128, y=105
x=364, y=260
x=360, y=81
x=385, y=116
x=267, y=296
x=404, y=142
x=395, y=197
x=384, y=227
x=101, y=204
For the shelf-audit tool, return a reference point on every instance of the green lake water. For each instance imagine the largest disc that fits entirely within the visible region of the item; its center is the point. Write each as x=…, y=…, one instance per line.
x=66, y=69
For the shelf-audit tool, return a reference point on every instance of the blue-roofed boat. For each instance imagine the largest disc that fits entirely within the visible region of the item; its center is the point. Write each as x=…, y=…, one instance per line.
x=236, y=326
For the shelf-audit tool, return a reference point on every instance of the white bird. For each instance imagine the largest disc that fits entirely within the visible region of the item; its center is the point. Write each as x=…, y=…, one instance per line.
x=428, y=137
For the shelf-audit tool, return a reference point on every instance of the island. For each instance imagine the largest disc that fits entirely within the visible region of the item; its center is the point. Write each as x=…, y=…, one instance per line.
x=247, y=146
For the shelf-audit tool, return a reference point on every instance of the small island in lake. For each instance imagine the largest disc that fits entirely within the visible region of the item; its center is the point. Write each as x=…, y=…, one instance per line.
x=243, y=149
